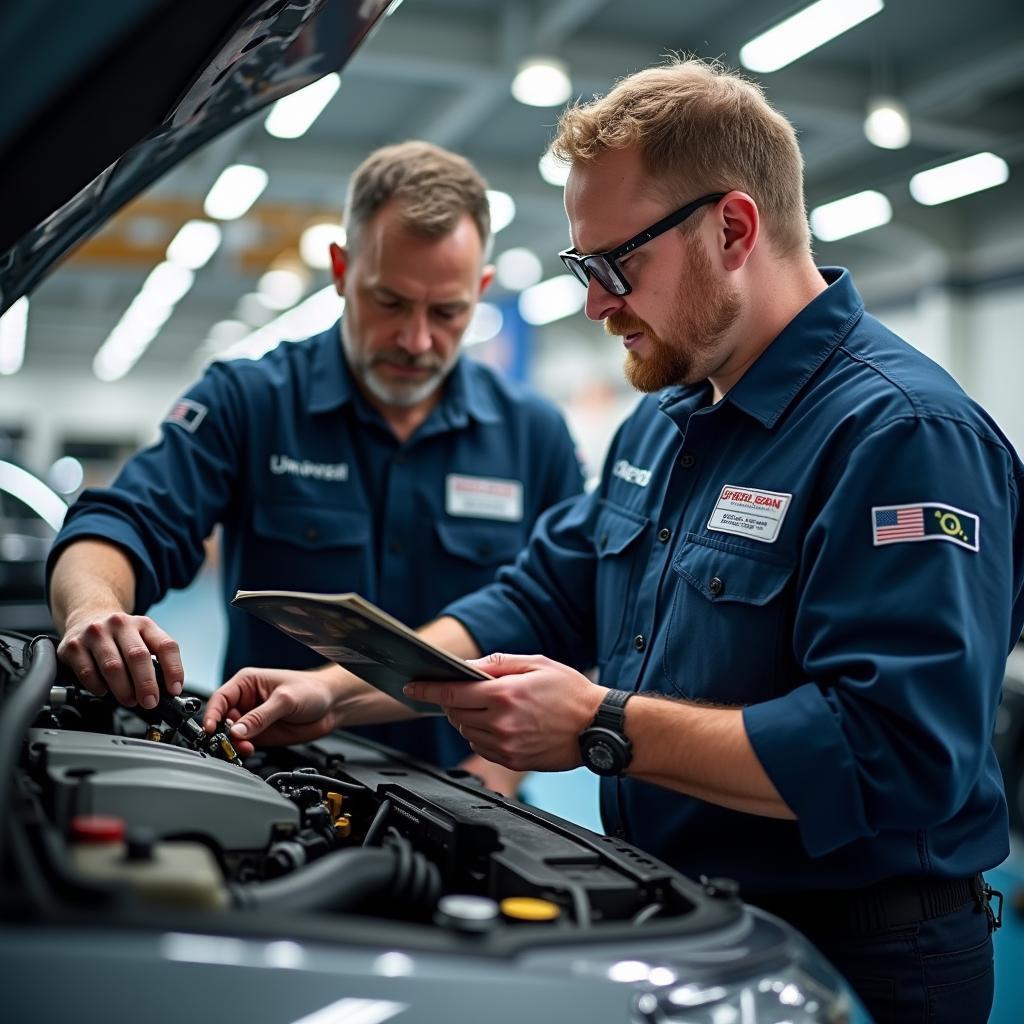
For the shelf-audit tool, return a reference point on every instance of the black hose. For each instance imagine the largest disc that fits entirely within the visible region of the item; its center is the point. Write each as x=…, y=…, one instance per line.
x=335, y=882
x=324, y=781
x=19, y=710
x=377, y=824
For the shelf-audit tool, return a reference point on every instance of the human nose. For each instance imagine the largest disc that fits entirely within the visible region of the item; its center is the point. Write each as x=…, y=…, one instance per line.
x=415, y=336
x=601, y=303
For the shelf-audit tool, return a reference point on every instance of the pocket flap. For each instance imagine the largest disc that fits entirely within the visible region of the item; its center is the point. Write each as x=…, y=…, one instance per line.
x=493, y=543
x=617, y=528
x=724, y=572
x=312, y=526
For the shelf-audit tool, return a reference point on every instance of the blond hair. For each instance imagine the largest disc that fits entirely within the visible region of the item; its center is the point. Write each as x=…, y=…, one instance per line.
x=433, y=187
x=699, y=128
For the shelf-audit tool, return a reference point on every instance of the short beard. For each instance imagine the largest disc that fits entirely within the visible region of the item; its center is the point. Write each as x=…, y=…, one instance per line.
x=404, y=396
x=694, y=331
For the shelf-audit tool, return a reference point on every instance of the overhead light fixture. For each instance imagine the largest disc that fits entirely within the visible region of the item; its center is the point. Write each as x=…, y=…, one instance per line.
x=292, y=116
x=49, y=506
x=503, y=209
x=805, y=31
x=850, y=216
x=281, y=288
x=551, y=300
x=486, y=324
x=518, y=268
x=66, y=475
x=887, y=124
x=13, y=329
x=315, y=243
x=234, y=191
x=553, y=170
x=194, y=244
x=253, y=310
x=959, y=178
x=542, y=82
x=164, y=287
x=311, y=316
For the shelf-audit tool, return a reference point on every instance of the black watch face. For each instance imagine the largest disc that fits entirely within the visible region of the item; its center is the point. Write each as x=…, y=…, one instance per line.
x=605, y=752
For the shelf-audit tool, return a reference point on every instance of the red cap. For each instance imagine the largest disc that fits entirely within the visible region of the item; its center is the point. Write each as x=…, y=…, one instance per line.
x=96, y=828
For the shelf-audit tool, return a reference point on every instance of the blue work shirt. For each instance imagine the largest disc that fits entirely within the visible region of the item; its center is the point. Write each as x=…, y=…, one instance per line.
x=314, y=492
x=835, y=547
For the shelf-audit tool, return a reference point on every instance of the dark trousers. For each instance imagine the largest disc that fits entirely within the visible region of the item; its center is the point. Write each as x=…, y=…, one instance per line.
x=933, y=970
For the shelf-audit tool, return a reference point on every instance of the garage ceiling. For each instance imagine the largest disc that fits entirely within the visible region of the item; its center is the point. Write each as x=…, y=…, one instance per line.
x=441, y=70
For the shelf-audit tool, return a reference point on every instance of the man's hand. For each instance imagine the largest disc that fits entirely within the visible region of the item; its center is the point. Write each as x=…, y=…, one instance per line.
x=527, y=718
x=280, y=706
x=112, y=650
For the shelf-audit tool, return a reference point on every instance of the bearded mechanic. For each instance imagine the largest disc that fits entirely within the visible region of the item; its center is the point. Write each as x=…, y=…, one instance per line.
x=800, y=575
x=369, y=458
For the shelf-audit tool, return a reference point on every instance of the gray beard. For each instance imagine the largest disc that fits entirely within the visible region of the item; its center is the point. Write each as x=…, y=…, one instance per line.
x=403, y=396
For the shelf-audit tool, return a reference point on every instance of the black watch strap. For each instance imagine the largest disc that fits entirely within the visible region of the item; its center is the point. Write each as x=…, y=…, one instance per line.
x=611, y=711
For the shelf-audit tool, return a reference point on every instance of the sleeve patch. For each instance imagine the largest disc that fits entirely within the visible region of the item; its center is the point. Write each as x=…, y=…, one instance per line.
x=188, y=414
x=926, y=520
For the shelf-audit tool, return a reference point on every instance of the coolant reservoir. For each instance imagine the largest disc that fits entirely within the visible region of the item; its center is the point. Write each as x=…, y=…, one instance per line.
x=179, y=874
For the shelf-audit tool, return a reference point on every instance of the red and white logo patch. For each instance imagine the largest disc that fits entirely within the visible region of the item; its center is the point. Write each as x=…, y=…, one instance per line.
x=187, y=414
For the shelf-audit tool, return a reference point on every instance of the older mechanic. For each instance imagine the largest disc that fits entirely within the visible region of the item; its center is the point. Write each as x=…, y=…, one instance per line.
x=377, y=461
x=800, y=575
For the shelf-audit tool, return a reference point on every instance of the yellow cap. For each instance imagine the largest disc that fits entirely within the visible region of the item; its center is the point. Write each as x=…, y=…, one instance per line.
x=526, y=908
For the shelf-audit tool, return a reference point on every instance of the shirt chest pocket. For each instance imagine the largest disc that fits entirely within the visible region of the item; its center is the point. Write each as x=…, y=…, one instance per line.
x=617, y=544
x=729, y=628
x=308, y=547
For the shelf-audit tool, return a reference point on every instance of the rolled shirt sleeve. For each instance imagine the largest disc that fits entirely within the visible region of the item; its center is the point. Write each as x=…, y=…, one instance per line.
x=903, y=637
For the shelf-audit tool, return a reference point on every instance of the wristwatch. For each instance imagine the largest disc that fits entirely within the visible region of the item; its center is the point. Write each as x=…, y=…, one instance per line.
x=603, y=744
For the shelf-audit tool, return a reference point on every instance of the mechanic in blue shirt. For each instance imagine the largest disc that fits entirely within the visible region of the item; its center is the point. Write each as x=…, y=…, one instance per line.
x=378, y=461
x=800, y=575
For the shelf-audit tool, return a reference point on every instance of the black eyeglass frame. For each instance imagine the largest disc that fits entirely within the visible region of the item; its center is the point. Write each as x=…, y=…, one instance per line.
x=610, y=276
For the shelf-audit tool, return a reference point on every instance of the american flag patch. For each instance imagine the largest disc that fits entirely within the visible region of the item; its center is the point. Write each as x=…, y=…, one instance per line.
x=187, y=414
x=928, y=520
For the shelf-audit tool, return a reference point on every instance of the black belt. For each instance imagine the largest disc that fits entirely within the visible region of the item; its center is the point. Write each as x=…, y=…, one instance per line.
x=890, y=904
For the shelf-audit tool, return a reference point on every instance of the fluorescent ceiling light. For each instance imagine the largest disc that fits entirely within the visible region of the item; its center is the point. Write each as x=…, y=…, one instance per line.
x=311, y=316
x=194, y=244
x=503, y=209
x=850, y=216
x=486, y=324
x=167, y=284
x=224, y=332
x=315, y=243
x=13, y=328
x=281, y=289
x=542, y=82
x=553, y=170
x=34, y=493
x=518, y=269
x=234, y=191
x=805, y=31
x=959, y=178
x=887, y=124
x=552, y=299
x=293, y=115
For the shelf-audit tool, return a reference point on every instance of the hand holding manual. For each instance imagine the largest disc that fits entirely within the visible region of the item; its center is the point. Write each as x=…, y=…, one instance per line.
x=350, y=631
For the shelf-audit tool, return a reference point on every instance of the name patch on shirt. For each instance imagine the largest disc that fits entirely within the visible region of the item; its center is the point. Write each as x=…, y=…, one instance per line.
x=285, y=465
x=927, y=520
x=188, y=414
x=631, y=474
x=751, y=513
x=483, y=497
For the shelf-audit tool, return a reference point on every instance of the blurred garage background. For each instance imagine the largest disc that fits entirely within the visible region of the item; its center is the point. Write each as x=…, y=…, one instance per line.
x=911, y=122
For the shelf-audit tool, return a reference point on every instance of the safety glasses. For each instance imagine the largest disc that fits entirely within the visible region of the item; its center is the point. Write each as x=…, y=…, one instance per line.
x=605, y=266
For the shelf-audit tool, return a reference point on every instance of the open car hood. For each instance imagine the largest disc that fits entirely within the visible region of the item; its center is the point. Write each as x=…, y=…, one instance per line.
x=101, y=100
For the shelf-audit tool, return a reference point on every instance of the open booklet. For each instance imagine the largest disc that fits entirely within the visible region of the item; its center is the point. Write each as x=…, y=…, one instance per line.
x=349, y=630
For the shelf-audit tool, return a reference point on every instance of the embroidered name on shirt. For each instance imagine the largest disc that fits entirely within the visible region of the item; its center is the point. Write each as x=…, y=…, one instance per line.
x=751, y=513
x=927, y=520
x=631, y=474
x=281, y=465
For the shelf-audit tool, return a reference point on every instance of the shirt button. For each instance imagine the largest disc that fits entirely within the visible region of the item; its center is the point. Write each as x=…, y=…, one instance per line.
x=639, y=642
x=716, y=586
x=311, y=533
x=663, y=534
x=603, y=542
x=688, y=461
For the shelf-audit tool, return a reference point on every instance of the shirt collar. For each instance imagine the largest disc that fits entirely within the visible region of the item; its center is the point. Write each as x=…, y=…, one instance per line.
x=333, y=385
x=766, y=390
